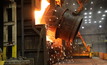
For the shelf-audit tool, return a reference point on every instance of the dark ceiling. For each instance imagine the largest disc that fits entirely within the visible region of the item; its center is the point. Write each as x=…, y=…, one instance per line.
x=95, y=17
x=94, y=25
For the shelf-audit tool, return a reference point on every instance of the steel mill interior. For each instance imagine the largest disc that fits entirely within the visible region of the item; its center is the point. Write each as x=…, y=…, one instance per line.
x=53, y=32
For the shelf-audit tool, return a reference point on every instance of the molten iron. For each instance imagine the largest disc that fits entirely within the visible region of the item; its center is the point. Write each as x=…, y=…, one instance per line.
x=60, y=21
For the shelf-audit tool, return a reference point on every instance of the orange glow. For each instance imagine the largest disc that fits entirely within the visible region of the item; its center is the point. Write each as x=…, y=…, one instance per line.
x=39, y=14
x=58, y=2
x=38, y=20
x=50, y=36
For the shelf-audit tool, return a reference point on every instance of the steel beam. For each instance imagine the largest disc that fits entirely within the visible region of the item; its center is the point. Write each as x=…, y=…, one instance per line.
x=22, y=24
x=7, y=24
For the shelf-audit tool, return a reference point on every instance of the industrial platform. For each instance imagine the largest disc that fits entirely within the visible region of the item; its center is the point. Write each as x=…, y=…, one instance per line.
x=84, y=61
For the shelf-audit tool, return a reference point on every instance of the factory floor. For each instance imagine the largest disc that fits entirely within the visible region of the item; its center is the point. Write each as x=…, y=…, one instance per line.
x=83, y=61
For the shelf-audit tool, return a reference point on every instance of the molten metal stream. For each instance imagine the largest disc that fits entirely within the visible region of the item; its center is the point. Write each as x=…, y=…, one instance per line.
x=39, y=14
x=38, y=20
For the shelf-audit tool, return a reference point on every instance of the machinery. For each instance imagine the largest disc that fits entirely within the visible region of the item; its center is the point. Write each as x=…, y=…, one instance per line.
x=22, y=37
x=58, y=18
x=80, y=47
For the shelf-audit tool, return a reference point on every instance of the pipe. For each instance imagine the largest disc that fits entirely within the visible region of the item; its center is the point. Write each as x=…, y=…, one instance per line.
x=22, y=22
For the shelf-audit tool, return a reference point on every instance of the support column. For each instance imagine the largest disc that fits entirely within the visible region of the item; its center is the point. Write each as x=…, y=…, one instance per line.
x=10, y=12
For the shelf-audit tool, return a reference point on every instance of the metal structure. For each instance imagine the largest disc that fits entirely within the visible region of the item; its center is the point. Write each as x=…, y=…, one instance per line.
x=83, y=41
x=10, y=31
x=63, y=21
x=30, y=39
x=80, y=47
x=35, y=44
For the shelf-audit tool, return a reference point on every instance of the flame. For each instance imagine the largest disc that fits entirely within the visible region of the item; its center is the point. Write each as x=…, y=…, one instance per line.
x=39, y=14
x=38, y=20
x=48, y=38
x=51, y=37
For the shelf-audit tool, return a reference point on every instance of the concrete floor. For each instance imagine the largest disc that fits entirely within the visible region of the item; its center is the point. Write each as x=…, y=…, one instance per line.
x=85, y=61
